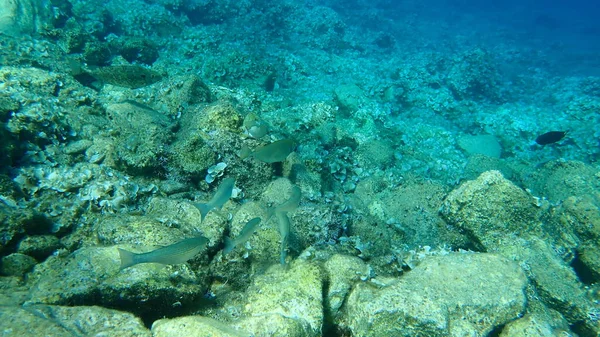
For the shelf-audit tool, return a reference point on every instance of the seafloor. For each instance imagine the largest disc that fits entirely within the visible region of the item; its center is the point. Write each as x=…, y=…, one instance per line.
x=425, y=207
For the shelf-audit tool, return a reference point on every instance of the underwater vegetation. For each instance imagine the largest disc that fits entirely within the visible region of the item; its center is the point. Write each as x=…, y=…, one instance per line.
x=282, y=168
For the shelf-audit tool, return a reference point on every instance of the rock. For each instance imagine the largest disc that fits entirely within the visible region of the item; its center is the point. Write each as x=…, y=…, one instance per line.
x=556, y=284
x=17, y=264
x=13, y=291
x=375, y=154
x=23, y=16
x=343, y=271
x=46, y=320
x=39, y=246
x=460, y=294
x=194, y=326
x=142, y=135
x=187, y=219
x=285, y=302
x=491, y=207
x=538, y=325
x=92, y=276
x=486, y=145
x=559, y=179
x=349, y=98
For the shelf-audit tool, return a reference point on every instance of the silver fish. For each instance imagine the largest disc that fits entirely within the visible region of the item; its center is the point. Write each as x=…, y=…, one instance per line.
x=243, y=236
x=176, y=253
x=270, y=153
x=221, y=196
x=284, y=231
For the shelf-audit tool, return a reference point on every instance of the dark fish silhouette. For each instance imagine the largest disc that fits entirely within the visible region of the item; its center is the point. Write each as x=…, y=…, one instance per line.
x=550, y=137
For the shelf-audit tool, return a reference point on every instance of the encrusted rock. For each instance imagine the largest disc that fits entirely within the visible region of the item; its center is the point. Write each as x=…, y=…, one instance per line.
x=460, y=294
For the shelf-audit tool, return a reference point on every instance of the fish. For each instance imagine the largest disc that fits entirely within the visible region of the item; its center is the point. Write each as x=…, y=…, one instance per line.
x=290, y=205
x=550, y=137
x=176, y=253
x=243, y=236
x=221, y=196
x=271, y=153
x=284, y=231
x=127, y=75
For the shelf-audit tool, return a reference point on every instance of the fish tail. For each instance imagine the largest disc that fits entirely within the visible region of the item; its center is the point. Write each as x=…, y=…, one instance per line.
x=204, y=209
x=127, y=258
x=283, y=253
x=229, y=245
x=245, y=152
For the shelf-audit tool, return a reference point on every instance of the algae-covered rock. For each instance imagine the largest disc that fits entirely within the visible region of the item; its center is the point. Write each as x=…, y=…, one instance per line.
x=92, y=275
x=194, y=326
x=556, y=284
x=135, y=49
x=39, y=246
x=559, y=179
x=349, y=98
x=407, y=214
x=16, y=264
x=530, y=325
x=342, y=272
x=491, y=207
x=187, y=219
x=23, y=16
x=221, y=116
x=143, y=135
x=486, y=145
x=460, y=294
x=48, y=320
x=285, y=302
x=191, y=154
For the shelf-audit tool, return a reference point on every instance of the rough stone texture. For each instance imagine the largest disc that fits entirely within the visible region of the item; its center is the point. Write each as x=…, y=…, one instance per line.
x=285, y=302
x=57, y=321
x=16, y=264
x=13, y=291
x=22, y=16
x=194, y=326
x=39, y=246
x=537, y=325
x=407, y=214
x=555, y=282
x=92, y=275
x=142, y=135
x=486, y=145
x=460, y=294
x=559, y=179
x=186, y=218
x=491, y=207
x=342, y=272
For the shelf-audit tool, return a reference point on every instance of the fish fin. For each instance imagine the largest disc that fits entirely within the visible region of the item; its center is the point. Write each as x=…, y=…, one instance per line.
x=204, y=209
x=245, y=152
x=127, y=258
x=229, y=245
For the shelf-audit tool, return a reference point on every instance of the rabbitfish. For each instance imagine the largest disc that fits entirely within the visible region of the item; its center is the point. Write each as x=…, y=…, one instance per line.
x=289, y=205
x=284, y=231
x=270, y=153
x=221, y=196
x=242, y=237
x=176, y=253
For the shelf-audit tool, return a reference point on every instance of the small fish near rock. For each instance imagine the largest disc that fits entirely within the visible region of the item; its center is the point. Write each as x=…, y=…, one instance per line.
x=176, y=253
x=550, y=137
